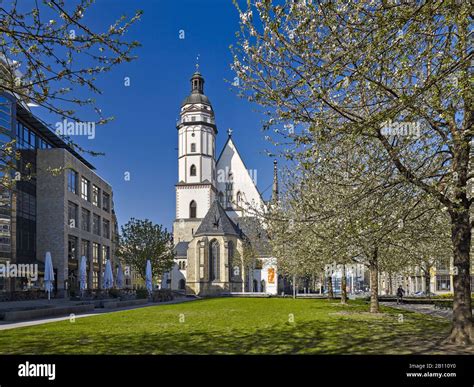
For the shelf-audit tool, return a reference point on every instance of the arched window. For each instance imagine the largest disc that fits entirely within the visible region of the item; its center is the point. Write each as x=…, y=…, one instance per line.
x=229, y=190
x=239, y=198
x=214, y=260
x=262, y=286
x=192, y=209
x=182, y=284
x=192, y=170
x=230, y=252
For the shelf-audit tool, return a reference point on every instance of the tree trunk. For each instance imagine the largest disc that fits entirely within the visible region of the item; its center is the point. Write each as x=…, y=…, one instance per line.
x=294, y=286
x=390, y=283
x=374, y=282
x=462, y=329
x=343, y=285
x=330, y=289
x=427, y=281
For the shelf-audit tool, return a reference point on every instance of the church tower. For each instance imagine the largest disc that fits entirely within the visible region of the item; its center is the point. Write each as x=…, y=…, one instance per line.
x=196, y=187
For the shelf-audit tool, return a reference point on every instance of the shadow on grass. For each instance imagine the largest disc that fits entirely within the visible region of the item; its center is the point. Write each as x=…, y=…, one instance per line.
x=344, y=335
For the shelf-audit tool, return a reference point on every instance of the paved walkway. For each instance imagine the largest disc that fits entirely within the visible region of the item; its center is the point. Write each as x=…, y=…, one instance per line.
x=20, y=324
x=421, y=308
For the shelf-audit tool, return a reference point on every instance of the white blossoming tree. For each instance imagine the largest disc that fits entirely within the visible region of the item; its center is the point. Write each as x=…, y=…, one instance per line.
x=328, y=69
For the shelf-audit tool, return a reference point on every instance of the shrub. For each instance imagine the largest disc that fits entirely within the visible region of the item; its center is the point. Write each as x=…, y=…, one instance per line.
x=444, y=296
x=141, y=293
x=443, y=304
x=114, y=293
x=162, y=295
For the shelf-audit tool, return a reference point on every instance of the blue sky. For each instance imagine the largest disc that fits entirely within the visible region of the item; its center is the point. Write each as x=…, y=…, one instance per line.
x=142, y=139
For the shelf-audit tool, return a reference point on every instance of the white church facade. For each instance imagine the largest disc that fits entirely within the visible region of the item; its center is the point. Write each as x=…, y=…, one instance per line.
x=216, y=198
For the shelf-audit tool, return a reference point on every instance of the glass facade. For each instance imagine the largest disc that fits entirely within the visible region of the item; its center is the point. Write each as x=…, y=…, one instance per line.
x=6, y=136
x=5, y=224
x=28, y=139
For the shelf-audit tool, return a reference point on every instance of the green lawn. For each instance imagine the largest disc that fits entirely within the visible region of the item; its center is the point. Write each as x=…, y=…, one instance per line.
x=235, y=326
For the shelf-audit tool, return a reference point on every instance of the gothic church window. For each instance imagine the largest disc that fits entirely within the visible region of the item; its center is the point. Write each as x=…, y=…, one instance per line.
x=192, y=170
x=228, y=190
x=192, y=209
x=239, y=198
x=214, y=260
x=230, y=252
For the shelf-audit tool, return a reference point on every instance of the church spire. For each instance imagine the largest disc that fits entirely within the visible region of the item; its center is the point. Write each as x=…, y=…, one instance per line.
x=275, y=192
x=197, y=81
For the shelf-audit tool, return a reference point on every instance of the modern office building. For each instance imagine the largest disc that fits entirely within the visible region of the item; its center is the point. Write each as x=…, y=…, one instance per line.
x=57, y=204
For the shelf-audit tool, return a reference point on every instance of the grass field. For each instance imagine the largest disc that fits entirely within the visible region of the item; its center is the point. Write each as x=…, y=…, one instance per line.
x=236, y=326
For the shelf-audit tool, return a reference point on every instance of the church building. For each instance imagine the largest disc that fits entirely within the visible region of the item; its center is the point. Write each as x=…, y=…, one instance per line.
x=216, y=232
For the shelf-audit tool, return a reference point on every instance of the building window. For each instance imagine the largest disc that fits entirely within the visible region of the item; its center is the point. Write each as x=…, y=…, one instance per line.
x=106, y=202
x=96, y=224
x=192, y=170
x=26, y=205
x=443, y=283
x=85, y=246
x=72, y=181
x=193, y=147
x=73, y=214
x=95, y=280
x=72, y=248
x=105, y=254
x=239, y=199
x=26, y=240
x=95, y=196
x=95, y=253
x=192, y=209
x=106, y=225
x=443, y=264
x=85, y=188
x=229, y=191
x=214, y=260
x=230, y=253
x=86, y=220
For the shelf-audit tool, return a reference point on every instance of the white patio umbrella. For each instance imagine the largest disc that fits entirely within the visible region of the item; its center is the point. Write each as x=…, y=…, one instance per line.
x=48, y=274
x=119, y=282
x=108, y=275
x=83, y=274
x=148, y=274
